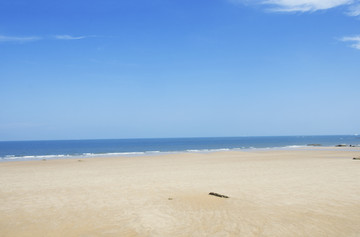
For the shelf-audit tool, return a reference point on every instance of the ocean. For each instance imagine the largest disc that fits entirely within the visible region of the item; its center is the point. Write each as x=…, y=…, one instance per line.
x=32, y=150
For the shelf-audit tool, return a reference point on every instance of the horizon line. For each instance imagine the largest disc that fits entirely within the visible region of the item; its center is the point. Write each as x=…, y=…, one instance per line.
x=145, y=138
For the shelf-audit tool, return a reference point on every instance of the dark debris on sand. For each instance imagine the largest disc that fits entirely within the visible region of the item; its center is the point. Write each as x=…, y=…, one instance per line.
x=218, y=195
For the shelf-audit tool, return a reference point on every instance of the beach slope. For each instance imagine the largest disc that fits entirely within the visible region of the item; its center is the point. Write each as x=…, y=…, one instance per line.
x=303, y=192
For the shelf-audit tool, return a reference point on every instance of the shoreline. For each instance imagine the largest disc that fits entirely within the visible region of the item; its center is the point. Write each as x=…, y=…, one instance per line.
x=28, y=150
x=162, y=153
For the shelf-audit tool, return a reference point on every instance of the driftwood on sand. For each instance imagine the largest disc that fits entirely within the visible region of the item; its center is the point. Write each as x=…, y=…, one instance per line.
x=218, y=195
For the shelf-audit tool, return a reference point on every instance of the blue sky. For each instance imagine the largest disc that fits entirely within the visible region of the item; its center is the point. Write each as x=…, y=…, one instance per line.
x=178, y=68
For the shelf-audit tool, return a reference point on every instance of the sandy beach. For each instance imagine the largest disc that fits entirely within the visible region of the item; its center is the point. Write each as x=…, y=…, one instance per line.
x=303, y=192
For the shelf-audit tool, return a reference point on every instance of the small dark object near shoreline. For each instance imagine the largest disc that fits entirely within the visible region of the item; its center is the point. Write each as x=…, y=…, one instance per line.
x=218, y=195
x=341, y=145
x=356, y=158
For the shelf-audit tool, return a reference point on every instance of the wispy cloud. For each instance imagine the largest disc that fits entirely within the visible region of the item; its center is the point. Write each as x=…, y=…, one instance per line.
x=354, y=10
x=69, y=37
x=25, y=39
x=17, y=39
x=307, y=5
x=355, y=40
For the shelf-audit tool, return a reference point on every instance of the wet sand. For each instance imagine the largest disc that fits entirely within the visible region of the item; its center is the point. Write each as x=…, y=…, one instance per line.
x=303, y=192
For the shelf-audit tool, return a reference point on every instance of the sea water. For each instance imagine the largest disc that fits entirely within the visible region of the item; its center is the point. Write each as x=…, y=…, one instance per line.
x=30, y=150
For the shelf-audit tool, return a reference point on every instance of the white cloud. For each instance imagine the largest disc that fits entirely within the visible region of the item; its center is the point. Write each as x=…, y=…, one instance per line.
x=24, y=39
x=69, y=37
x=307, y=5
x=354, y=39
x=4, y=38
x=354, y=10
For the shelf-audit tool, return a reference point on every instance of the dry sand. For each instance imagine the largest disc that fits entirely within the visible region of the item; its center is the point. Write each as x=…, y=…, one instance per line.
x=272, y=193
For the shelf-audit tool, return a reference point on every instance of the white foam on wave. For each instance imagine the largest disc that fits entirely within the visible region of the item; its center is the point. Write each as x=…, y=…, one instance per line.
x=251, y=148
x=112, y=154
x=142, y=153
x=208, y=150
x=294, y=146
x=13, y=157
x=83, y=155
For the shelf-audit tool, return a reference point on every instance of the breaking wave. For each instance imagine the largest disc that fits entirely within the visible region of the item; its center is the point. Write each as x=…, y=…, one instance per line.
x=135, y=153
